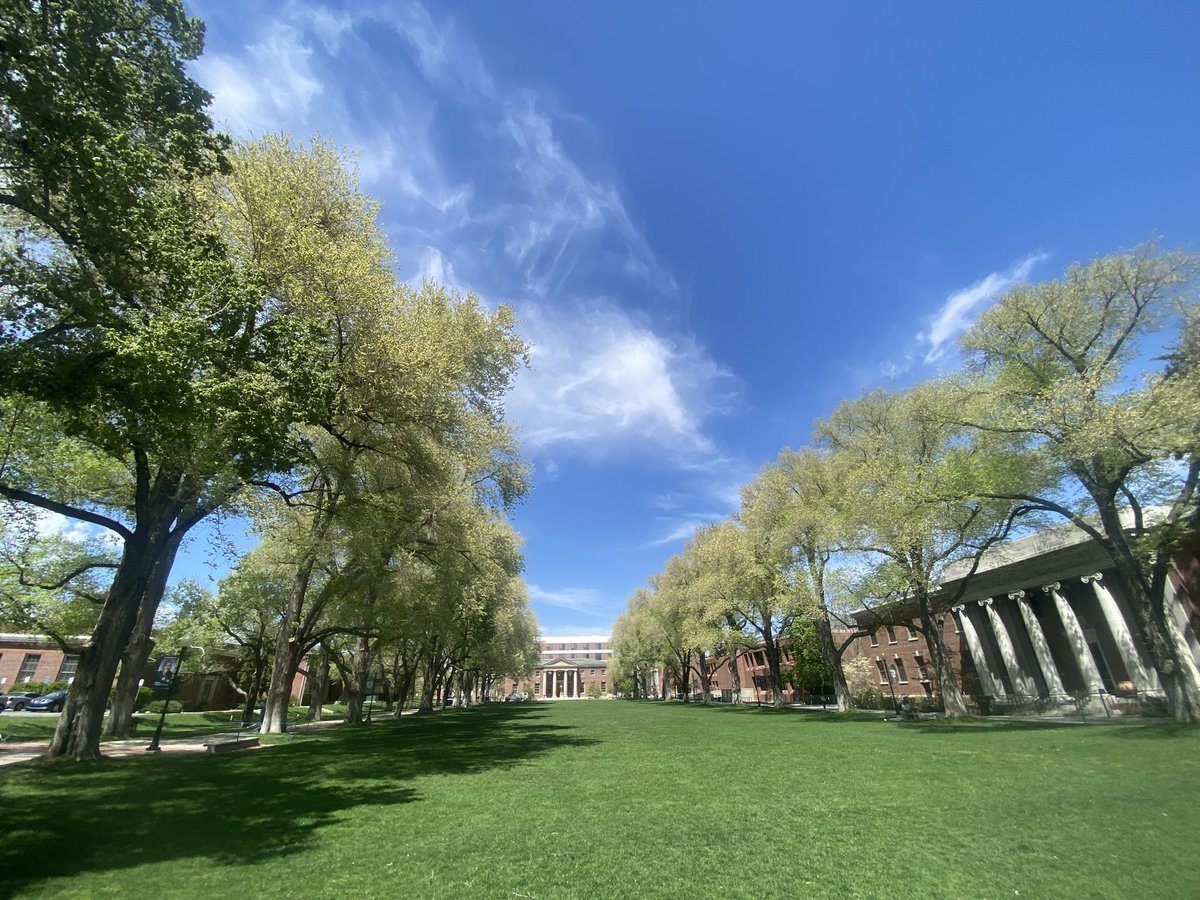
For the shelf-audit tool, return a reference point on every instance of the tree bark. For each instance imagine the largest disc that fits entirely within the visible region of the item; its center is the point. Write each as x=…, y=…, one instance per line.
x=1151, y=613
x=774, y=667
x=735, y=677
x=320, y=686
x=137, y=651
x=833, y=659
x=359, y=668
x=78, y=731
x=952, y=697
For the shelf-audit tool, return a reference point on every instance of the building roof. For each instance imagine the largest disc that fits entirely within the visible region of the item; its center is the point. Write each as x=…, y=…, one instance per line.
x=579, y=663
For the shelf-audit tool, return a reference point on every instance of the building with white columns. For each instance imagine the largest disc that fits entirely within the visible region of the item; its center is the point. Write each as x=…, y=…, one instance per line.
x=569, y=665
x=1043, y=622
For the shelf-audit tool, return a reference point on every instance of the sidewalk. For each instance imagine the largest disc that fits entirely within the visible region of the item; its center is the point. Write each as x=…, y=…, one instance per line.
x=14, y=752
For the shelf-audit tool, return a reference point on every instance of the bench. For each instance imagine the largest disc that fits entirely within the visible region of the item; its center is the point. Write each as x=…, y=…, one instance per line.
x=229, y=744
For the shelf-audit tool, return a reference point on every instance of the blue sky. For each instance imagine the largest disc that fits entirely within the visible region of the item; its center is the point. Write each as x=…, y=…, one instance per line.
x=717, y=220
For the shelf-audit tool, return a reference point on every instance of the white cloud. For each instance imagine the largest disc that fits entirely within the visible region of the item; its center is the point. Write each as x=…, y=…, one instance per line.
x=959, y=310
x=52, y=524
x=270, y=86
x=599, y=381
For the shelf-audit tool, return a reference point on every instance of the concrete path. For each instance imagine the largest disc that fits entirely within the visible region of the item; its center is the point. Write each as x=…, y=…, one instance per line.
x=14, y=752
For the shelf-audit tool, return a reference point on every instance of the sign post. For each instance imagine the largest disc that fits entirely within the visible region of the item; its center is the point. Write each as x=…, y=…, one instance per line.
x=166, y=676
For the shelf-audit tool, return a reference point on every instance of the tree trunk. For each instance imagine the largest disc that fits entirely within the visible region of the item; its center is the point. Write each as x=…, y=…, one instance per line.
x=735, y=677
x=774, y=668
x=952, y=697
x=78, y=731
x=430, y=683
x=359, y=669
x=283, y=667
x=320, y=686
x=705, y=680
x=1151, y=614
x=833, y=659
x=137, y=652
x=250, y=708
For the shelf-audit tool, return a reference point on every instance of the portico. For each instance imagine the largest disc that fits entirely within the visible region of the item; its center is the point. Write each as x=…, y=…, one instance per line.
x=563, y=678
x=1046, y=619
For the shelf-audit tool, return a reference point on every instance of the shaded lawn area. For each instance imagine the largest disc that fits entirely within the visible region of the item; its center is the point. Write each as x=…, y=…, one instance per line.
x=605, y=799
x=41, y=727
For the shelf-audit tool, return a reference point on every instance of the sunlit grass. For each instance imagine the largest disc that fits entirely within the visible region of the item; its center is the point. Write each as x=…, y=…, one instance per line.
x=606, y=799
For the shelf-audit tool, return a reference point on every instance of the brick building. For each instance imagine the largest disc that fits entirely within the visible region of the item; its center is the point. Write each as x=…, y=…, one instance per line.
x=30, y=657
x=569, y=666
x=1043, y=624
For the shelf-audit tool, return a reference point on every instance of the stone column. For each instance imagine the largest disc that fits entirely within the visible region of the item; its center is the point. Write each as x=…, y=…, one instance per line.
x=1083, y=654
x=1041, y=649
x=546, y=684
x=990, y=683
x=1020, y=679
x=1143, y=680
x=1175, y=612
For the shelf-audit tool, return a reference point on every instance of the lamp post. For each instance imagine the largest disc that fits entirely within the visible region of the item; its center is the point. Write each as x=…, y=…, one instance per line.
x=162, y=716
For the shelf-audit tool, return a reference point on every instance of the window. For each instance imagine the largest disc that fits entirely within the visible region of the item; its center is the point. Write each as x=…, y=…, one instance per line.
x=922, y=668
x=67, y=670
x=604, y=687
x=29, y=666
x=901, y=674
x=874, y=639
x=912, y=632
x=891, y=634
x=883, y=676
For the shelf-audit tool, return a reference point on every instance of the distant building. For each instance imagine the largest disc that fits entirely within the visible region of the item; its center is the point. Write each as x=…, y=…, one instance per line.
x=569, y=665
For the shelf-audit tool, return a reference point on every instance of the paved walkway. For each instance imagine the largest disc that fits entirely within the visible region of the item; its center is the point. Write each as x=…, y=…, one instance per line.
x=14, y=752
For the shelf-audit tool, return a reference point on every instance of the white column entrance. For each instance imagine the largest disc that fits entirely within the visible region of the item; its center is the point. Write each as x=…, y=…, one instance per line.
x=1017, y=676
x=1083, y=654
x=1041, y=649
x=1142, y=680
x=990, y=683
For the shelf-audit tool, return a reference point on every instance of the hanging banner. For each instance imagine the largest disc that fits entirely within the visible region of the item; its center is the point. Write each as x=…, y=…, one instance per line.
x=164, y=673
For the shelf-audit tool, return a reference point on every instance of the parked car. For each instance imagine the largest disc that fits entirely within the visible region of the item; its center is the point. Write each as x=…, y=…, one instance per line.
x=51, y=702
x=18, y=700
x=517, y=697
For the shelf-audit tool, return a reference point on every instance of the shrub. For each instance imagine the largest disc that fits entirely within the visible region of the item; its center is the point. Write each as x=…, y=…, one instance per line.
x=156, y=706
x=871, y=698
x=37, y=687
x=144, y=696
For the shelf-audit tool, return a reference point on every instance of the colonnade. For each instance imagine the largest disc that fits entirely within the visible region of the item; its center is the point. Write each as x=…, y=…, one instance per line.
x=1014, y=655
x=561, y=683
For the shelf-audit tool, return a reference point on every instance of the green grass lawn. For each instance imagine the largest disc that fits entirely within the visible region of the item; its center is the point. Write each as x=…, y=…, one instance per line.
x=622, y=799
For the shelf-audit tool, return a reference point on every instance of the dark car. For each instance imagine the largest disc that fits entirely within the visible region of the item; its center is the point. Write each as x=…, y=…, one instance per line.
x=18, y=700
x=51, y=702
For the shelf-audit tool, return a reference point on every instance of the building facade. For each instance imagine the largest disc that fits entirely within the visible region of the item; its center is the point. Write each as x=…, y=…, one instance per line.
x=1042, y=624
x=571, y=667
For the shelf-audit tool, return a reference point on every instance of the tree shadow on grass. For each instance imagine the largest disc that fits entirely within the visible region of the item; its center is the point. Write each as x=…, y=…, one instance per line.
x=69, y=818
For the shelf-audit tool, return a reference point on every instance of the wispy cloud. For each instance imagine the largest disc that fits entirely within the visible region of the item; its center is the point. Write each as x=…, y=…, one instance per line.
x=961, y=306
x=525, y=222
x=587, y=601
x=678, y=530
